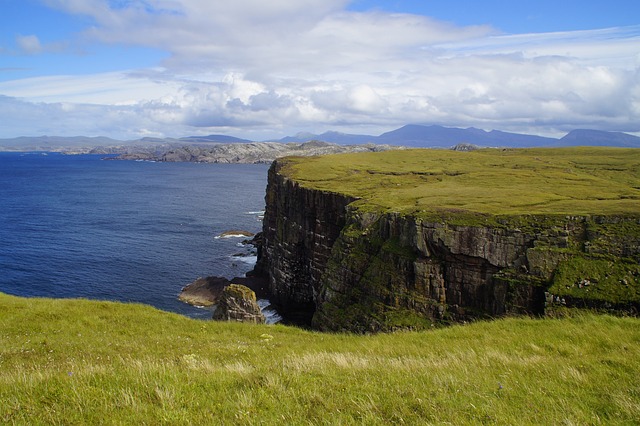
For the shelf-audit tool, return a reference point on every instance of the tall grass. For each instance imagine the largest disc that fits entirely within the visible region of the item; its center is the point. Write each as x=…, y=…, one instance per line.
x=86, y=362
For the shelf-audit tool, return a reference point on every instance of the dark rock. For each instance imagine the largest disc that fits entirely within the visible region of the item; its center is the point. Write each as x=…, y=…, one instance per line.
x=236, y=233
x=299, y=230
x=238, y=303
x=465, y=147
x=203, y=291
x=258, y=284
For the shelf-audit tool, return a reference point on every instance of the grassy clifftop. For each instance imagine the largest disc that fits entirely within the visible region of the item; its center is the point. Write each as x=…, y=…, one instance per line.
x=576, y=181
x=83, y=362
x=448, y=235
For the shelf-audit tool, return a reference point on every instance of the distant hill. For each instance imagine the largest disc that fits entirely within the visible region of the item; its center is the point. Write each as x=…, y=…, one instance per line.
x=411, y=135
x=299, y=138
x=445, y=137
x=431, y=136
x=415, y=135
x=47, y=143
x=332, y=137
x=214, y=138
x=518, y=140
x=599, y=138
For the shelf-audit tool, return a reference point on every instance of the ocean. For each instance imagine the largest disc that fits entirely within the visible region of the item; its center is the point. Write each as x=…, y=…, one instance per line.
x=79, y=226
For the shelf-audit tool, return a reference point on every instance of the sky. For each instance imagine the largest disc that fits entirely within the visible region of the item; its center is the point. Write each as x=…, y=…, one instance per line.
x=262, y=70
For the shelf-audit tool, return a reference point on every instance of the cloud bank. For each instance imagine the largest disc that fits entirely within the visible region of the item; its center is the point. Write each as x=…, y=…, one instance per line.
x=261, y=69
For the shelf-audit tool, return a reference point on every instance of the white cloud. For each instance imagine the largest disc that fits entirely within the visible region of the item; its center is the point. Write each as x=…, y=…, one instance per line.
x=261, y=68
x=29, y=44
x=114, y=88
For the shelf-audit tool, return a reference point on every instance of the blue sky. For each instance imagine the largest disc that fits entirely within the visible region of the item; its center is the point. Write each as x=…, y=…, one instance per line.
x=517, y=16
x=260, y=70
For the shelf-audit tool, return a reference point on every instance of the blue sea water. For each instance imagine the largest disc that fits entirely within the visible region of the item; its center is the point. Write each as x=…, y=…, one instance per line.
x=78, y=226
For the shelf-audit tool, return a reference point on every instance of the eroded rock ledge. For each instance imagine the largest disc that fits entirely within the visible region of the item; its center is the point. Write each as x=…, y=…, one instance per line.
x=345, y=269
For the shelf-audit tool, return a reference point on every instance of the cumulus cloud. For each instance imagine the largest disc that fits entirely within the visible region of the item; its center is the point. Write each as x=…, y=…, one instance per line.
x=257, y=68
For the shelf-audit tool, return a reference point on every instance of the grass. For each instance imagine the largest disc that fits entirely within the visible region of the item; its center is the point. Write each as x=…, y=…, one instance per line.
x=593, y=278
x=577, y=181
x=88, y=362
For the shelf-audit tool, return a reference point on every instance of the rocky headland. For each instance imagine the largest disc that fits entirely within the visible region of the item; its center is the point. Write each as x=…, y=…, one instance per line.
x=409, y=239
x=249, y=153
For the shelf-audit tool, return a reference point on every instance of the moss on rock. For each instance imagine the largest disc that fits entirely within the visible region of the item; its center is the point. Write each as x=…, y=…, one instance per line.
x=604, y=279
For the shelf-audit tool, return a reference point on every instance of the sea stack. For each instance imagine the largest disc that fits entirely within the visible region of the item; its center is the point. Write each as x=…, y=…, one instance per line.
x=238, y=303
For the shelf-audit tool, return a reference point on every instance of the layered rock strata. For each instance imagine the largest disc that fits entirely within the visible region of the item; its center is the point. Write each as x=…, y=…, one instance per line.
x=375, y=271
x=238, y=303
x=300, y=228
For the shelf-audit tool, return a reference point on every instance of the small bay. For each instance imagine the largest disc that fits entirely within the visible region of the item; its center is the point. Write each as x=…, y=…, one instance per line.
x=80, y=226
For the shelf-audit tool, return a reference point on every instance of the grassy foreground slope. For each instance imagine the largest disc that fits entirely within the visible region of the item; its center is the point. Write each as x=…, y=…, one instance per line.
x=575, y=181
x=87, y=362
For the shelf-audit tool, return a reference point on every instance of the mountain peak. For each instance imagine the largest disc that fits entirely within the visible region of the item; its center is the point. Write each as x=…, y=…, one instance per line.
x=600, y=138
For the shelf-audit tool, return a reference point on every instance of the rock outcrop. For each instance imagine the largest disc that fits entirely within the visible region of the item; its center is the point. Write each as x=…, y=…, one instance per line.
x=366, y=271
x=203, y=291
x=238, y=303
x=234, y=233
x=250, y=153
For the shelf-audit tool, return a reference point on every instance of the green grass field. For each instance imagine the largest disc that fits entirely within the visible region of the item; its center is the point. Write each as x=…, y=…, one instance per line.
x=574, y=181
x=69, y=362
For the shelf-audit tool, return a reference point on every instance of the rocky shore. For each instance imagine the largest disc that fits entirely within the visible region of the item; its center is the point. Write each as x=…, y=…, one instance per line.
x=248, y=153
x=232, y=300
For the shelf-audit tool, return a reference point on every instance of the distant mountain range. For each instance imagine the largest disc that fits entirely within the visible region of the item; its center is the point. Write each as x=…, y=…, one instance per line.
x=415, y=135
x=411, y=135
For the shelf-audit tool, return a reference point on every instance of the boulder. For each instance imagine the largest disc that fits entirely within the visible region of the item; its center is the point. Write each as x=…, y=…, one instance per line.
x=238, y=303
x=203, y=291
x=236, y=233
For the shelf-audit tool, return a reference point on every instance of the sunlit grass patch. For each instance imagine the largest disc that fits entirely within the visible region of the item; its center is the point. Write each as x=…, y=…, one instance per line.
x=112, y=363
x=546, y=181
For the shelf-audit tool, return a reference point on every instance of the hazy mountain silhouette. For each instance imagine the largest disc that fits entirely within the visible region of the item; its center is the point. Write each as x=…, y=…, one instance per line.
x=434, y=136
x=214, y=139
x=412, y=135
x=331, y=136
x=599, y=138
x=446, y=137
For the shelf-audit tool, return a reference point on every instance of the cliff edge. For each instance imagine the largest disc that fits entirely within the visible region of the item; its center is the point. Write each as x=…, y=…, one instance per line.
x=407, y=239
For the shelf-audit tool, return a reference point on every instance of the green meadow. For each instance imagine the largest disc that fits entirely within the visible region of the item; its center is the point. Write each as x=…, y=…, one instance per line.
x=576, y=181
x=76, y=362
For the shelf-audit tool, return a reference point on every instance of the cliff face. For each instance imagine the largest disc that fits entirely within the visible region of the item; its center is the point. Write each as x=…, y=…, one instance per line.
x=299, y=230
x=374, y=271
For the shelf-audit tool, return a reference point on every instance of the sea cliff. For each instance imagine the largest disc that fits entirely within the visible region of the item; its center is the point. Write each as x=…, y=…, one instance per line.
x=367, y=259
